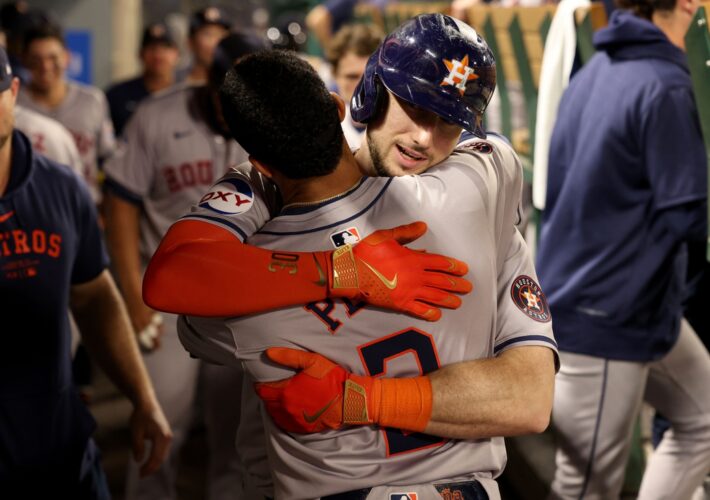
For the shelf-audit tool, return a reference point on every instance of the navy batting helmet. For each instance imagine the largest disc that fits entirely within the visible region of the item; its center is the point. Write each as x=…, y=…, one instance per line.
x=435, y=62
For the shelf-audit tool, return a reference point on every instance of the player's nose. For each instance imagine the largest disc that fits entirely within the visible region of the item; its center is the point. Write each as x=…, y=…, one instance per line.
x=423, y=137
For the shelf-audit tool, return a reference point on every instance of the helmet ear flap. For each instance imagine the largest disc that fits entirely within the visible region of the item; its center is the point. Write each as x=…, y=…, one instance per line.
x=365, y=107
x=380, y=99
x=364, y=101
x=358, y=104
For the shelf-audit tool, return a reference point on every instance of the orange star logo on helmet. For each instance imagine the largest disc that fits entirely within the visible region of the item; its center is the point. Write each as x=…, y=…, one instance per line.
x=459, y=73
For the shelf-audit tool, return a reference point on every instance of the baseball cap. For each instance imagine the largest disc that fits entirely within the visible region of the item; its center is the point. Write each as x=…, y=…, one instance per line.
x=157, y=33
x=207, y=16
x=5, y=71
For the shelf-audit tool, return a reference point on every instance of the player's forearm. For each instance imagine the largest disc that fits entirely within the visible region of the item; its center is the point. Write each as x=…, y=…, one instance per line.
x=201, y=269
x=123, y=238
x=504, y=396
x=107, y=333
x=204, y=271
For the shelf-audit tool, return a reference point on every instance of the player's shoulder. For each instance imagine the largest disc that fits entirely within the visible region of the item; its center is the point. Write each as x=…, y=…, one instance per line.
x=487, y=166
x=84, y=91
x=56, y=172
x=57, y=178
x=476, y=146
x=123, y=87
x=166, y=108
x=244, y=169
x=246, y=172
x=27, y=117
x=475, y=154
x=494, y=153
x=179, y=91
x=165, y=101
x=24, y=97
x=246, y=187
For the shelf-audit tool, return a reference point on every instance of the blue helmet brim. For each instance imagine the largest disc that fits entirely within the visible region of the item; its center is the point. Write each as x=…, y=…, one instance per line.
x=439, y=100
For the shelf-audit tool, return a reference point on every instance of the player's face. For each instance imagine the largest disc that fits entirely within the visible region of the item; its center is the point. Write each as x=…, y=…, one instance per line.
x=7, y=111
x=204, y=41
x=350, y=69
x=406, y=139
x=159, y=59
x=47, y=59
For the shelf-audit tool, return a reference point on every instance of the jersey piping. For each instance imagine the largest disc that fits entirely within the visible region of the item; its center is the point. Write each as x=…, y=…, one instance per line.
x=340, y=222
x=526, y=338
x=300, y=210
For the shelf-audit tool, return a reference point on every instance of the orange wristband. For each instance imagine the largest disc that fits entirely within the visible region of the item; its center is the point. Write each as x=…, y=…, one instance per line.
x=406, y=403
x=402, y=403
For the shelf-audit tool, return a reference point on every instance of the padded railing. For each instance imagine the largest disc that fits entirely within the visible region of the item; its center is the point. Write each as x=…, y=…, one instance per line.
x=697, y=44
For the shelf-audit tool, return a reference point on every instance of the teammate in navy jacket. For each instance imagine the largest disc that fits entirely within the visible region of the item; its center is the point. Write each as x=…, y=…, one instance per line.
x=626, y=193
x=52, y=258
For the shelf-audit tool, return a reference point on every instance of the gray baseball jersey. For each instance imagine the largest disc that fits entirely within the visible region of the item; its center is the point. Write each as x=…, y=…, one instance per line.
x=166, y=160
x=49, y=137
x=84, y=112
x=470, y=203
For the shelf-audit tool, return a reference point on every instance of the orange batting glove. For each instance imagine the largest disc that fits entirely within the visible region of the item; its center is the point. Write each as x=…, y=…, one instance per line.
x=383, y=273
x=322, y=395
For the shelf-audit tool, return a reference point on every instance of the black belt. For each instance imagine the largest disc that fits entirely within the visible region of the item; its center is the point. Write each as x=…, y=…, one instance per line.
x=469, y=490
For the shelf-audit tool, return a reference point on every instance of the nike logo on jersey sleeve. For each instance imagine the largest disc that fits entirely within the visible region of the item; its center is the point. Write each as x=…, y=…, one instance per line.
x=6, y=216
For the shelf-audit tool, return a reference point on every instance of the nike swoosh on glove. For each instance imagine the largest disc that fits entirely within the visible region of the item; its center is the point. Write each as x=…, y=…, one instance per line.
x=323, y=395
x=382, y=272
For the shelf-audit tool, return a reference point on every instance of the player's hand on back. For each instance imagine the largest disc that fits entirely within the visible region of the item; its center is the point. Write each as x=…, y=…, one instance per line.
x=323, y=395
x=319, y=378
x=384, y=273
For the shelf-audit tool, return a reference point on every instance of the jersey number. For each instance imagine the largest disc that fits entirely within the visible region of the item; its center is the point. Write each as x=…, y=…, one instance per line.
x=375, y=356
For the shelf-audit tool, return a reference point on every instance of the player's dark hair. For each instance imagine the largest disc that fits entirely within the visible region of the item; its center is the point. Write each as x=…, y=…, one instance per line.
x=42, y=31
x=281, y=113
x=233, y=46
x=646, y=8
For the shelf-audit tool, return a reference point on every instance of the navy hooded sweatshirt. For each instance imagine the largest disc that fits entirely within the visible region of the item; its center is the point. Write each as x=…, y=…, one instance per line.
x=627, y=189
x=49, y=241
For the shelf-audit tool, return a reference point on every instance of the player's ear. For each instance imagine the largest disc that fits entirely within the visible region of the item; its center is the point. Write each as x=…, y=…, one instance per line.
x=15, y=87
x=341, y=105
x=261, y=167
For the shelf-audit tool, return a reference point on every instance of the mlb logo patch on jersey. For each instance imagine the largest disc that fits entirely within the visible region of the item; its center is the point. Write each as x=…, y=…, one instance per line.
x=528, y=296
x=229, y=197
x=403, y=496
x=348, y=236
